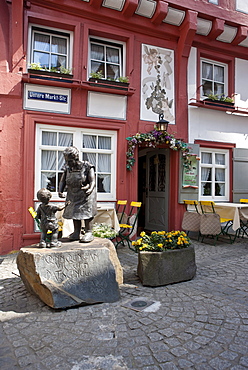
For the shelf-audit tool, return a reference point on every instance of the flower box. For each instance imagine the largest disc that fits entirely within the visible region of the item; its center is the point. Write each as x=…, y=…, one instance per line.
x=167, y=267
x=108, y=83
x=47, y=75
x=219, y=103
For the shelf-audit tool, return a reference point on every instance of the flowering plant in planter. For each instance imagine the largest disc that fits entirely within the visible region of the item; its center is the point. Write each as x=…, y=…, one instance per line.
x=152, y=139
x=103, y=231
x=160, y=241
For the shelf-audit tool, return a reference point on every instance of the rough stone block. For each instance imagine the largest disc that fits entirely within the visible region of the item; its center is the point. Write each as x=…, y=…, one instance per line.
x=168, y=267
x=73, y=274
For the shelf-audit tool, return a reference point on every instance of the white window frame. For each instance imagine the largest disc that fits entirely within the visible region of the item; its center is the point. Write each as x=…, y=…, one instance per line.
x=215, y=63
x=77, y=142
x=51, y=31
x=108, y=42
x=213, y=166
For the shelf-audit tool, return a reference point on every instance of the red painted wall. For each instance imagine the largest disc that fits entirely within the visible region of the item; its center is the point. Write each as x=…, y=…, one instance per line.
x=17, y=127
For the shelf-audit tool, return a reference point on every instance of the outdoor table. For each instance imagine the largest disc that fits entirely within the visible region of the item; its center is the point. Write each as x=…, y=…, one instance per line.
x=232, y=211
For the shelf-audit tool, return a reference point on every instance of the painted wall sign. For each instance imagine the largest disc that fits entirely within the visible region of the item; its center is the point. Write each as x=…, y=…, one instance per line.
x=190, y=173
x=48, y=99
x=157, y=84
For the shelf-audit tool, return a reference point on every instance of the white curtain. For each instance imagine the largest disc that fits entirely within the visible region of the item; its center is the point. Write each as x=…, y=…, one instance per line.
x=207, y=71
x=220, y=178
x=49, y=158
x=205, y=171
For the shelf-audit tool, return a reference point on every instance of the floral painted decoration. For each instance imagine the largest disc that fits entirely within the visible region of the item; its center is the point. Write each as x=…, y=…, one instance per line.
x=152, y=139
x=159, y=241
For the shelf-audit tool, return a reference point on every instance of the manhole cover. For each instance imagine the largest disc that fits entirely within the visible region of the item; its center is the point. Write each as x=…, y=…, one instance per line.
x=139, y=304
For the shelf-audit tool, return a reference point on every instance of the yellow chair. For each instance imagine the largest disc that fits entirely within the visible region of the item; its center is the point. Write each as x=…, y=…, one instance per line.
x=191, y=219
x=243, y=221
x=120, y=210
x=127, y=230
x=211, y=223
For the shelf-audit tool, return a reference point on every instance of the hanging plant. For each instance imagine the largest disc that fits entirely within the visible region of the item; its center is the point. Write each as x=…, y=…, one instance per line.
x=153, y=139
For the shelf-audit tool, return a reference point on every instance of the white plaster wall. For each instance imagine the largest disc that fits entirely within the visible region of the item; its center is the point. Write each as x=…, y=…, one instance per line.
x=213, y=125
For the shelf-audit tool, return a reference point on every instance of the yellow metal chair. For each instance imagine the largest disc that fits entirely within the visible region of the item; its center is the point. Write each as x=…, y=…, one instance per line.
x=127, y=230
x=191, y=219
x=243, y=221
x=211, y=223
x=120, y=211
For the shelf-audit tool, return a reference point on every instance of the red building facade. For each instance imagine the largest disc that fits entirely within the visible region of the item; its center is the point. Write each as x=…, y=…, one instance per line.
x=42, y=112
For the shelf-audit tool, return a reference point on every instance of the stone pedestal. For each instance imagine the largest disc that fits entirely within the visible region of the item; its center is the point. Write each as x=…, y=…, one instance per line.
x=168, y=267
x=73, y=274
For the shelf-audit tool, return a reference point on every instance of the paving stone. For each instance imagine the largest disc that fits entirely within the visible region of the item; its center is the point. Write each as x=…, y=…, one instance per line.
x=200, y=324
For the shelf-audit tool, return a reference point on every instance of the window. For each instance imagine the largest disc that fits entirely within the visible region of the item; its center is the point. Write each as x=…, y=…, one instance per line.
x=213, y=78
x=214, y=172
x=106, y=57
x=97, y=147
x=50, y=48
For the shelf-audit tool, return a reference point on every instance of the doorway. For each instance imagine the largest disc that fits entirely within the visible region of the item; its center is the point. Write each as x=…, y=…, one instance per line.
x=153, y=185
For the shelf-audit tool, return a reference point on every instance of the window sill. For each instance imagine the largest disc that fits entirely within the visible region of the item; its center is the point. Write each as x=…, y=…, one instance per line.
x=222, y=106
x=106, y=86
x=62, y=80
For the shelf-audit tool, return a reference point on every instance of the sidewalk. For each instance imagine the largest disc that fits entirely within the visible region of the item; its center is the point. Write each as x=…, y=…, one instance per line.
x=199, y=324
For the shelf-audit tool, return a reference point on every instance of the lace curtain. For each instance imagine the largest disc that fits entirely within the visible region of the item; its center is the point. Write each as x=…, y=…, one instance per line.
x=46, y=52
x=50, y=161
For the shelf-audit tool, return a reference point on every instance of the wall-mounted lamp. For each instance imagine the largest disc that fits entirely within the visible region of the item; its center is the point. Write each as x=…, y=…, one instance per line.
x=162, y=124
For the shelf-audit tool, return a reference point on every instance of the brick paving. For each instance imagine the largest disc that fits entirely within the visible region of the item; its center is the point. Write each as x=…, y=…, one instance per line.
x=199, y=324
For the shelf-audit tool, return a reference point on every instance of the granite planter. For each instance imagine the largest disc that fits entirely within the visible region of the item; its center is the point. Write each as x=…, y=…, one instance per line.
x=168, y=267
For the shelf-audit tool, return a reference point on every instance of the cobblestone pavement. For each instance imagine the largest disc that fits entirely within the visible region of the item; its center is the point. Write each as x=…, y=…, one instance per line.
x=199, y=324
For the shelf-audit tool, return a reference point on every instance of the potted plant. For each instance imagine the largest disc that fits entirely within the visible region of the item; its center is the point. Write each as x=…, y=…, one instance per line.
x=60, y=72
x=103, y=231
x=219, y=100
x=165, y=258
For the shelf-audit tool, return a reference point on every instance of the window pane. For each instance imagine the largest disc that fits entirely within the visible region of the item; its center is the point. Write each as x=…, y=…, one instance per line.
x=104, y=142
x=97, y=52
x=65, y=139
x=112, y=55
x=59, y=45
x=89, y=141
x=49, y=138
x=219, y=189
x=61, y=160
x=218, y=89
x=113, y=71
x=220, y=174
x=206, y=189
x=97, y=67
x=206, y=158
x=207, y=87
x=206, y=174
x=104, y=163
x=41, y=42
x=48, y=160
x=58, y=61
x=103, y=183
x=48, y=181
x=207, y=71
x=41, y=58
x=219, y=73
x=220, y=159
x=90, y=157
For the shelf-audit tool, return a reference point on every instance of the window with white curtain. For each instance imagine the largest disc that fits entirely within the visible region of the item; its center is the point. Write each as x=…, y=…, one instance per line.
x=96, y=147
x=107, y=57
x=213, y=78
x=214, y=174
x=50, y=48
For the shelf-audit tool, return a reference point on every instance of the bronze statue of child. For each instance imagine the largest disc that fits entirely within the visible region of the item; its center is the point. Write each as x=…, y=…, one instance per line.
x=48, y=221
